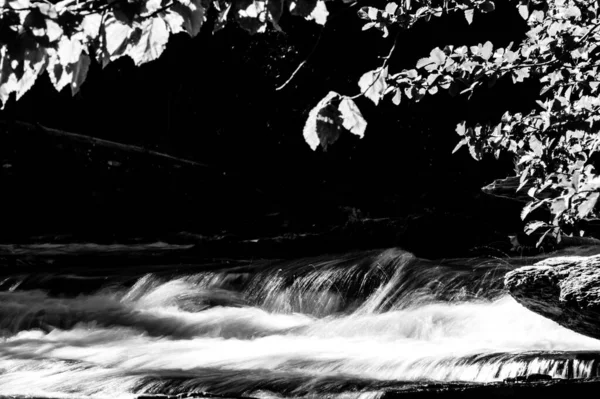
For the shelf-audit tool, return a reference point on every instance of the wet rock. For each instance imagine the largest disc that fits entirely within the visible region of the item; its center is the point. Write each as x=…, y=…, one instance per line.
x=577, y=388
x=565, y=289
x=529, y=378
x=538, y=377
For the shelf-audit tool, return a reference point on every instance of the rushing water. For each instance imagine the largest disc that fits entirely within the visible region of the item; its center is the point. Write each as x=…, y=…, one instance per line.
x=350, y=326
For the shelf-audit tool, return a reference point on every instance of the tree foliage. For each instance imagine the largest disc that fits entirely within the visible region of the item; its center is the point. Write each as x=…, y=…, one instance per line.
x=554, y=144
x=63, y=37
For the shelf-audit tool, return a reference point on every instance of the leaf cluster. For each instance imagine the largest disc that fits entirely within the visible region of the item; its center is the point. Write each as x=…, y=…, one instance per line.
x=555, y=144
x=63, y=38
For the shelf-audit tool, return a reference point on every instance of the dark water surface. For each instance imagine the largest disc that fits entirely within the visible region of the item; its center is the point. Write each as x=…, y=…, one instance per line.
x=357, y=325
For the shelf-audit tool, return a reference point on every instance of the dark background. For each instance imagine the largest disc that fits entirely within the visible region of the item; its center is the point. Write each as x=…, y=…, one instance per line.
x=212, y=100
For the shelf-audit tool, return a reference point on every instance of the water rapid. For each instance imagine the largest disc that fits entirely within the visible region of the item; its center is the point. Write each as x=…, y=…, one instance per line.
x=345, y=326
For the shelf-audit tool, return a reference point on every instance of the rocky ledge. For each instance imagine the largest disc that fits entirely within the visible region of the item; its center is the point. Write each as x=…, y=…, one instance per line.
x=565, y=289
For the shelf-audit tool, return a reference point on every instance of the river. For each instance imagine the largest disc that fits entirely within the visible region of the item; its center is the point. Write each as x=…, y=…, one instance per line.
x=348, y=326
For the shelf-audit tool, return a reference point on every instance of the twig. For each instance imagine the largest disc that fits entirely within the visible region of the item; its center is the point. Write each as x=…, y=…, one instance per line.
x=385, y=62
x=508, y=68
x=162, y=9
x=303, y=62
x=314, y=47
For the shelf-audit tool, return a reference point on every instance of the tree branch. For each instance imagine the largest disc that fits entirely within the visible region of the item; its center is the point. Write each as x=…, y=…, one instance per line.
x=162, y=9
x=589, y=32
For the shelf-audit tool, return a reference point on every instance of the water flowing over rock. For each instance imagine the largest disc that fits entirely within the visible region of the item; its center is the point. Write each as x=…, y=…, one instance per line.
x=565, y=289
x=366, y=324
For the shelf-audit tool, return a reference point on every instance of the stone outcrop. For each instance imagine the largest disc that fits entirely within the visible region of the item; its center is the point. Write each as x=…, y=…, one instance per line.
x=565, y=289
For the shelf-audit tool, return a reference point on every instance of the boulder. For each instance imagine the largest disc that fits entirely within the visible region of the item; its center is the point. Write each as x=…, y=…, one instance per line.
x=565, y=289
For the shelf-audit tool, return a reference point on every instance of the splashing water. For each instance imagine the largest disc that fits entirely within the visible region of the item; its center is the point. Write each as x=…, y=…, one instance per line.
x=348, y=326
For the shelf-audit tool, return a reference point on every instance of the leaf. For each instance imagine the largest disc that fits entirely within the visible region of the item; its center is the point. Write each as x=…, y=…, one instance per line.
x=587, y=206
x=319, y=14
x=487, y=6
x=152, y=41
x=221, y=18
x=558, y=206
x=492, y=81
x=352, y=119
x=115, y=38
x=391, y=8
x=253, y=18
x=373, y=84
x=304, y=8
x=34, y=63
x=369, y=25
x=523, y=8
x=537, y=15
x=193, y=16
x=397, y=97
x=573, y=12
x=91, y=25
x=322, y=124
x=68, y=65
x=533, y=226
x=275, y=8
x=423, y=62
x=469, y=15
x=461, y=128
x=460, y=144
x=333, y=115
x=53, y=31
x=520, y=75
x=20, y=68
x=487, y=50
x=79, y=72
x=537, y=147
x=437, y=56
x=454, y=88
x=532, y=206
x=543, y=237
x=474, y=153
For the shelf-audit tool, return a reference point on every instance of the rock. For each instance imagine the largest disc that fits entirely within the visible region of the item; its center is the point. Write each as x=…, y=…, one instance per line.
x=529, y=378
x=539, y=377
x=565, y=289
x=576, y=388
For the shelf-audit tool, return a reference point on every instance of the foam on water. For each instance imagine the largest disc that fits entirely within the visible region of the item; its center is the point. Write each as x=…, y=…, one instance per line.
x=350, y=326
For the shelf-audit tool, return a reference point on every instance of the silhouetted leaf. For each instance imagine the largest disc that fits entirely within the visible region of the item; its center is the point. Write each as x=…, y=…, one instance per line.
x=324, y=122
x=193, y=15
x=487, y=6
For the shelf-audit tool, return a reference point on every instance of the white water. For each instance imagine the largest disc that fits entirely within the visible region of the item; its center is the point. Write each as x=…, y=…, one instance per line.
x=196, y=333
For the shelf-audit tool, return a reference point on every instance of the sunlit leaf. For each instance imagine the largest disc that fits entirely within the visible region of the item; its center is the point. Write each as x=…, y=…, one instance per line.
x=533, y=226
x=373, y=84
x=352, y=119
x=469, y=15
x=324, y=122
x=150, y=41
x=193, y=14
x=588, y=205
